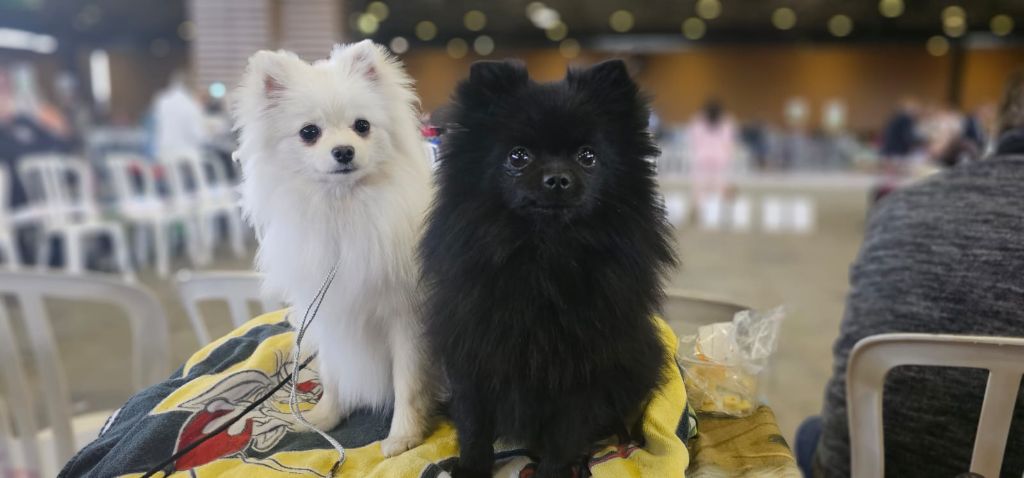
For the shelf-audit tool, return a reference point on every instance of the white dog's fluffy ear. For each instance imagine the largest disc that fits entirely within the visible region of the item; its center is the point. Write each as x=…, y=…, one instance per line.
x=364, y=58
x=270, y=72
x=266, y=79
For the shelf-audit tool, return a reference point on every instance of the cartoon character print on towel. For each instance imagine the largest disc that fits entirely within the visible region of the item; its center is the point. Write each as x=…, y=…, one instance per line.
x=253, y=436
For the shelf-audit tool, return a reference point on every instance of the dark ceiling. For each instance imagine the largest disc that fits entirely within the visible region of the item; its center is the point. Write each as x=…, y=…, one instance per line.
x=139, y=22
x=740, y=20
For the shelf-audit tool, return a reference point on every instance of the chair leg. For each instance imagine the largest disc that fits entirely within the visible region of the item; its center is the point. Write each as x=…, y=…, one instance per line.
x=140, y=232
x=10, y=252
x=120, y=251
x=237, y=232
x=195, y=239
x=43, y=254
x=163, y=247
x=73, y=257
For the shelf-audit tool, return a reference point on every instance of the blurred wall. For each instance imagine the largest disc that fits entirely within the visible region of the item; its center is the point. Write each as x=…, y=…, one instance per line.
x=985, y=73
x=135, y=78
x=755, y=82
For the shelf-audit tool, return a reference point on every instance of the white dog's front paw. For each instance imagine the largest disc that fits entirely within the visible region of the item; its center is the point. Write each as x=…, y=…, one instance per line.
x=324, y=415
x=398, y=444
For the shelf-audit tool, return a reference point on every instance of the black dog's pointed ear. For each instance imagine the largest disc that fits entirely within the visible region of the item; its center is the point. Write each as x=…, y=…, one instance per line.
x=611, y=75
x=498, y=77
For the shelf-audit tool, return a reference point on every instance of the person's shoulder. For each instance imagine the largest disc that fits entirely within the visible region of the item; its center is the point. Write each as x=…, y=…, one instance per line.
x=985, y=183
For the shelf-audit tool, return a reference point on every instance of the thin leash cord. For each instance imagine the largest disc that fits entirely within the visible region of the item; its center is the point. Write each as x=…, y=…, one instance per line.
x=293, y=403
x=307, y=319
x=252, y=406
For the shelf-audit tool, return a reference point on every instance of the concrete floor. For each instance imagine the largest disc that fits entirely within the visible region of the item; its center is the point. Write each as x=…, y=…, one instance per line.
x=806, y=273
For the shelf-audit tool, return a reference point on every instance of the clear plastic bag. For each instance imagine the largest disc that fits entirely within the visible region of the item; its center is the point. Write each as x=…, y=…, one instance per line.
x=722, y=364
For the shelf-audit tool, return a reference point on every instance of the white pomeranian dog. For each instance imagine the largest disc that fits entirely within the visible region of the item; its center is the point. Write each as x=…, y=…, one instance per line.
x=335, y=172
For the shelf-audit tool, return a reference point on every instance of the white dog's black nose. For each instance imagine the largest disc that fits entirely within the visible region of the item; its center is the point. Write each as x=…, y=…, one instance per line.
x=343, y=154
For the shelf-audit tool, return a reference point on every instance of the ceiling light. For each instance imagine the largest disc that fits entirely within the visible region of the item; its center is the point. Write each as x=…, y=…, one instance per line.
x=840, y=25
x=954, y=21
x=545, y=18
x=784, y=18
x=694, y=28
x=569, y=48
x=953, y=11
x=557, y=32
x=709, y=9
x=621, y=21
x=890, y=8
x=399, y=45
x=24, y=40
x=532, y=8
x=367, y=24
x=99, y=77
x=379, y=10
x=483, y=45
x=1001, y=25
x=937, y=45
x=474, y=20
x=426, y=30
x=457, y=48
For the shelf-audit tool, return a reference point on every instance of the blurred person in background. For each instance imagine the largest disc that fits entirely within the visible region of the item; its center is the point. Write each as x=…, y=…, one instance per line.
x=941, y=129
x=27, y=125
x=712, y=143
x=755, y=137
x=943, y=257
x=899, y=139
x=178, y=121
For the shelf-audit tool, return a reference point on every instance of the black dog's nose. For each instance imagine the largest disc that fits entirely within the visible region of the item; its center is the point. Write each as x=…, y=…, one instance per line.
x=343, y=154
x=557, y=181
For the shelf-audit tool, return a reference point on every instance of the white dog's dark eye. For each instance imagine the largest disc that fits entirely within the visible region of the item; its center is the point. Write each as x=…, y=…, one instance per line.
x=310, y=133
x=361, y=126
x=519, y=157
x=586, y=157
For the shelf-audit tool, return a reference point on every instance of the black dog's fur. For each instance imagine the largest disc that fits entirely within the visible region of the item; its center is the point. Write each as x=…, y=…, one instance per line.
x=540, y=298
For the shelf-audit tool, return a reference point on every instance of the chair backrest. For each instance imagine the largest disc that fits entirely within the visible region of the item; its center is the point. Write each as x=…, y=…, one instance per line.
x=63, y=184
x=5, y=196
x=183, y=173
x=191, y=176
x=873, y=357
x=122, y=168
x=236, y=288
x=150, y=348
x=685, y=309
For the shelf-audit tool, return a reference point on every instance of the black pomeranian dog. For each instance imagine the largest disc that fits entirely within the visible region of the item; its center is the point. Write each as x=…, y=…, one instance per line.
x=543, y=261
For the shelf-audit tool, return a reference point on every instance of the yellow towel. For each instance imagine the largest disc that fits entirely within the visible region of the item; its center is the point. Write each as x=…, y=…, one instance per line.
x=227, y=375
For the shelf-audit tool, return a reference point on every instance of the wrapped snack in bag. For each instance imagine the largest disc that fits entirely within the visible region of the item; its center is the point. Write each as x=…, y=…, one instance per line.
x=722, y=363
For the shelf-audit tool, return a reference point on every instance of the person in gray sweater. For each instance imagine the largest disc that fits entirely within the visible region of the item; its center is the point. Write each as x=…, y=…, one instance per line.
x=943, y=256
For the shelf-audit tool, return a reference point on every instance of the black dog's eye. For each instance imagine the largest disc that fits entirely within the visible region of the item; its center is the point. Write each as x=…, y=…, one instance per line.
x=586, y=157
x=519, y=157
x=309, y=133
x=361, y=126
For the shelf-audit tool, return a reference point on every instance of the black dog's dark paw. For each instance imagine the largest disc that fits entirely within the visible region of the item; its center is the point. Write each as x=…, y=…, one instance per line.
x=460, y=472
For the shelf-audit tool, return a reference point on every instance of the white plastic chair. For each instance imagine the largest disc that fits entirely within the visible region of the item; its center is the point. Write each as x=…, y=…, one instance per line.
x=772, y=214
x=46, y=450
x=63, y=190
x=210, y=197
x=740, y=214
x=677, y=209
x=236, y=288
x=685, y=310
x=873, y=357
x=8, y=246
x=149, y=213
